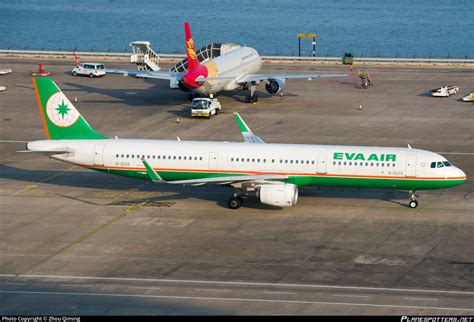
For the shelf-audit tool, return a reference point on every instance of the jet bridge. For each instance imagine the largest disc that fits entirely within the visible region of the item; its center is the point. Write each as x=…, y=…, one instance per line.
x=210, y=51
x=144, y=56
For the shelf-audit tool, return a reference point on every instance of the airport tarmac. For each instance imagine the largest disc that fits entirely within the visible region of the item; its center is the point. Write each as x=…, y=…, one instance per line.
x=75, y=241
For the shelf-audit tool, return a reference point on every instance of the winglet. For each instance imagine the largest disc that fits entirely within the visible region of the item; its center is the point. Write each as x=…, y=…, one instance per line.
x=242, y=125
x=154, y=176
x=247, y=133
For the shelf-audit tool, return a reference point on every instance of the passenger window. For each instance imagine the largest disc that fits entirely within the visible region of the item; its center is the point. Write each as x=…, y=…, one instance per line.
x=286, y=161
x=312, y=162
x=200, y=158
x=291, y=161
x=350, y=163
x=122, y=155
x=273, y=160
x=339, y=163
x=345, y=163
x=296, y=161
x=264, y=160
x=253, y=160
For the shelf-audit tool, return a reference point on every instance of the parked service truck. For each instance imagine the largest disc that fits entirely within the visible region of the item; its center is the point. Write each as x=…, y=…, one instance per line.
x=205, y=107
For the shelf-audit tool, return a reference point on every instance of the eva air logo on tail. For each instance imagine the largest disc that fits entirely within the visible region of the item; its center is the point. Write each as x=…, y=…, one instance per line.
x=61, y=111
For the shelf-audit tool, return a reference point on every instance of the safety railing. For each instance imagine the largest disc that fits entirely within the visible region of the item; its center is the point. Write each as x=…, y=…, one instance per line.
x=82, y=54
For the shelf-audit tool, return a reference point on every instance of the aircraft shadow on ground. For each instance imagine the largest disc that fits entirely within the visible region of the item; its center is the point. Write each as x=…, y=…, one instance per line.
x=219, y=194
x=155, y=96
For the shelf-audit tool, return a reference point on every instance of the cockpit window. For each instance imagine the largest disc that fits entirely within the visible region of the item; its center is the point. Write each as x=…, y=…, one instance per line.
x=440, y=164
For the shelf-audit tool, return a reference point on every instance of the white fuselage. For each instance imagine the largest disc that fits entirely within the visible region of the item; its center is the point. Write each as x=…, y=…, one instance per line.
x=205, y=159
x=235, y=64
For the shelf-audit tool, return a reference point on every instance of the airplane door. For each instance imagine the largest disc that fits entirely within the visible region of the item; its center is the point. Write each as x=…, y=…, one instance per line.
x=213, y=160
x=99, y=154
x=411, y=166
x=321, y=164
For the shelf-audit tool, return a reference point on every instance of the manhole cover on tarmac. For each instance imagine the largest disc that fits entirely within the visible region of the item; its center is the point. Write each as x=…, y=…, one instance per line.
x=147, y=203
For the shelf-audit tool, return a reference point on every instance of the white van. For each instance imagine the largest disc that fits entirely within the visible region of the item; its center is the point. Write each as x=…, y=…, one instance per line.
x=89, y=69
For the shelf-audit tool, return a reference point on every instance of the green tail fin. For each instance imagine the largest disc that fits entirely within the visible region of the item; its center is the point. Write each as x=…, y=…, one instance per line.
x=61, y=119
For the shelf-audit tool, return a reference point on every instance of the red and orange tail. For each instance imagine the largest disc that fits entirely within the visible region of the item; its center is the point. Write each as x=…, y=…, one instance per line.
x=190, y=51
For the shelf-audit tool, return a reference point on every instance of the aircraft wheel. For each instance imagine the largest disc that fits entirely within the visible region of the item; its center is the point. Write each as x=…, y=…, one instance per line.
x=254, y=99
x=91, y=75
x=74, y=73
x=235, y=202
x=248, y=99
x=413, y=204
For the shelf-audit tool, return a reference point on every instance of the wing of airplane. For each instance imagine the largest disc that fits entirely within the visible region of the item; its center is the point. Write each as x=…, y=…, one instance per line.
x=259, y=77
x=248, y=135
x=261, y=178
x=146, y=74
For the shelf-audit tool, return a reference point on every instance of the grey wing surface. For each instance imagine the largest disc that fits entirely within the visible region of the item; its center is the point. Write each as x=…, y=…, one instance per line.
x=145, y=74
x=259, y=77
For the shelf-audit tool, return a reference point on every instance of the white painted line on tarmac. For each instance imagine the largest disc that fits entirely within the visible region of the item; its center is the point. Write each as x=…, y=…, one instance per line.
x=210, y=290
x=150, y=280
x=227, y=299
x=77, y=285
x=144, y=287
x=348, y=295
x=280, y=293
x=418, y=299
x=10, y=141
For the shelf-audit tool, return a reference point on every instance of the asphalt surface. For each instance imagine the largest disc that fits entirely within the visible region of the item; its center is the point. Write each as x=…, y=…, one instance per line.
x=74, y=241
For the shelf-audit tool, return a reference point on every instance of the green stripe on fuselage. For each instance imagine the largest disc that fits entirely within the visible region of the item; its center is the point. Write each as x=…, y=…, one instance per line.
x=323, y=181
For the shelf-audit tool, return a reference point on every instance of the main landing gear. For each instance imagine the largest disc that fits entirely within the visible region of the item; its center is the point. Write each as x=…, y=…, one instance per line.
x=235, y=202
x=412, y=203
x=252, y=97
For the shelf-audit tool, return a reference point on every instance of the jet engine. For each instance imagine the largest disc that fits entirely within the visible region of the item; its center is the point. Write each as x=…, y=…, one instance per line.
x=275, y=86
x=282, y=195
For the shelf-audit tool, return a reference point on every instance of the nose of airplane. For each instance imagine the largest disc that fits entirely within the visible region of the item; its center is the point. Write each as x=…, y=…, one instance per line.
x=461, y=174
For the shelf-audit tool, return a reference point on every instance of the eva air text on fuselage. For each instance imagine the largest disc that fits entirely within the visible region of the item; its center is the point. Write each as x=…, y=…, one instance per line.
x=364, y=157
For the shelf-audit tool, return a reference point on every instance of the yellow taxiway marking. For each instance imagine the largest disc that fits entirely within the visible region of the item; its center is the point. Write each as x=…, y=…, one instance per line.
x=25, y=188
x=124, y=213
x=28, y=268
x=31, y=186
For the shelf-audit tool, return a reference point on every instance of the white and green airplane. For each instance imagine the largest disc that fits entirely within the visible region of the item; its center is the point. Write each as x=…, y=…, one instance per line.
x=271, y=172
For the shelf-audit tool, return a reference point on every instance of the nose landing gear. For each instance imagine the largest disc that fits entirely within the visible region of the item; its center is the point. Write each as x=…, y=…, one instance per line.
x=413, y=203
